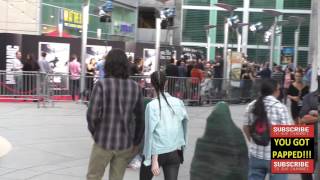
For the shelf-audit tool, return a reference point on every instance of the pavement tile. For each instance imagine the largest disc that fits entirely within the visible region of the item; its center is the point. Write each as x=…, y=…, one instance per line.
x=54, y=143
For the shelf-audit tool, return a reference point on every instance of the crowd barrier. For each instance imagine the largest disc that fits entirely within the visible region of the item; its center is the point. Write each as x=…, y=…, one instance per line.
x=57, y=87
x=22, y=86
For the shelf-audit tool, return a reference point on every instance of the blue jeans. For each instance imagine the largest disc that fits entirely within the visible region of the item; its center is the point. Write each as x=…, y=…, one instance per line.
x=259, y=168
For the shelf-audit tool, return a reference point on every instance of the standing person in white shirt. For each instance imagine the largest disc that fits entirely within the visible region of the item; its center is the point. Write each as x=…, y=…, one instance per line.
x=45, y=68
x=266, y=108
x=17, y=68
x=44, y=64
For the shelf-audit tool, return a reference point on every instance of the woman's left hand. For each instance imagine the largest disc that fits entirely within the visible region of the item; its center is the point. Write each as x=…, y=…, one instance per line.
x=155, y=168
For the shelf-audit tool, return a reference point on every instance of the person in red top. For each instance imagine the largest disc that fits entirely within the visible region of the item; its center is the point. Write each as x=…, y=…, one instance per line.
x=197, y=77
x=196, y=72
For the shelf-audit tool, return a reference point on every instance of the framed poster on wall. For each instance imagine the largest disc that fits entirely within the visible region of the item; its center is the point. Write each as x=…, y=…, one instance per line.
x=149, y=64
x=96, y=53
x=58, y=55
x=95, y=56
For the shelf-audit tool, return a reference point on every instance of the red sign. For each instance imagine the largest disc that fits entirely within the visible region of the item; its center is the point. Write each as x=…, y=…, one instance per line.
x=286, y=166
x=292, y=149
x=287, y=131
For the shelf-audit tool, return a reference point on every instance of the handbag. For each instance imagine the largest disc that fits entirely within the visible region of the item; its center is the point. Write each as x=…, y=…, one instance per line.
x=180, y=153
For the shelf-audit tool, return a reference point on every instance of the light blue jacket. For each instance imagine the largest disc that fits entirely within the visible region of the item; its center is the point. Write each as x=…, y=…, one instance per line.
x=165, y=134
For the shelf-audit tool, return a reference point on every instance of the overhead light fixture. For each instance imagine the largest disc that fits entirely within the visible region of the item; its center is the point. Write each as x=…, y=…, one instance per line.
x=233, y=21
x=296, y=19
x=272, y=12
x=267, y=35
x=256, y=27
x=51, y=16
x=45, y=28
x=226, y=6
x=278, y=30
x=167, y=13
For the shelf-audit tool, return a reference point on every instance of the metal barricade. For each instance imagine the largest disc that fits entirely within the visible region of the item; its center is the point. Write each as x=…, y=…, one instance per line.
x=59, y=87
x=232, y=91
x=64, y=87
x=185, y=88
x=20, y=86
x=145, y=84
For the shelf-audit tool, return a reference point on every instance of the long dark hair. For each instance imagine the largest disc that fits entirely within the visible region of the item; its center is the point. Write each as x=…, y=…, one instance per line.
x=158, y=81
x=268, y=87
x=116, y=64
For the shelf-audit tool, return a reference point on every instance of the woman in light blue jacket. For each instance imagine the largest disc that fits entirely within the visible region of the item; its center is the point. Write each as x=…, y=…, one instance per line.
x=165, y=133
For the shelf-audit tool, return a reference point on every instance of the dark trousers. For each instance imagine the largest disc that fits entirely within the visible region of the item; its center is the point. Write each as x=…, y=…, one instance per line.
x=217, y=84
x=89, y=86
x=74, y=86
x=170, y=163
x=306, y=177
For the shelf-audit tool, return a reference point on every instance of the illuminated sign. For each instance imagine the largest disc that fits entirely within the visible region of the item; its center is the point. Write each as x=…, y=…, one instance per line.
x=123, y=27
x=72, y=18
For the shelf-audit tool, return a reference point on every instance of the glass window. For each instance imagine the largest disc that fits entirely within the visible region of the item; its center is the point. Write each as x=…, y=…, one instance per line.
x=193, y=25
x=288, y=31
x=297, y=4
x=197, y=2
x=237, y=3
x=267, y=21
x=220, y=27
x=258, y=55
x=262, y=3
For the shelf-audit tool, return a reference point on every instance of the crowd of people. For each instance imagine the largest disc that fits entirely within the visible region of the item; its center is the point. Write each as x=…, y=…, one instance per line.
x=118, y=120
x=116, y=98
x=162, y=121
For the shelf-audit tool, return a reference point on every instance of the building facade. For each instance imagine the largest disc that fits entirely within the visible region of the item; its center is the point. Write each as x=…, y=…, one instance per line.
x=21, y=17
x=68, y=12
x=198, y=13
x=47, y=17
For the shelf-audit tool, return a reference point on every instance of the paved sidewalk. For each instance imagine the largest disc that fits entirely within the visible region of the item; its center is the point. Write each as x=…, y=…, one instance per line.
x=54, y=144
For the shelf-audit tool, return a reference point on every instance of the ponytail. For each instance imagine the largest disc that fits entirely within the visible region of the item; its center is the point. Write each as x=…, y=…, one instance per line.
x=268, y=87
x=158, y=80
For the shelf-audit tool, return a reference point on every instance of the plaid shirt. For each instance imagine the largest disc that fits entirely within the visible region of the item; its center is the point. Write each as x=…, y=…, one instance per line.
x=277, y=115
x=115, y=108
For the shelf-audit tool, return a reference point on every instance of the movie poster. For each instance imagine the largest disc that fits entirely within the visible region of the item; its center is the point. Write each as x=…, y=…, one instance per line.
x=11, y=51
x=58, y=55
x=287, y=55
x=235, y=62
x=149, y=61
x=96, y=53
x=130, y=54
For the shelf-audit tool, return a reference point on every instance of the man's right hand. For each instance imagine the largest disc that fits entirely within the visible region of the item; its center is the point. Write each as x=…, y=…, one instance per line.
x=135, y=149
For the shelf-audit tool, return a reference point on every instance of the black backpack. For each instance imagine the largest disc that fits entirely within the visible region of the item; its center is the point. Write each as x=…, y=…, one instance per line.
x=260, y=131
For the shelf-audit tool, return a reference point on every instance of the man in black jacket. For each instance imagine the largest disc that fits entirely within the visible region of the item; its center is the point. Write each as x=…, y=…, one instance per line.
x=311, y=105
x=172, y=69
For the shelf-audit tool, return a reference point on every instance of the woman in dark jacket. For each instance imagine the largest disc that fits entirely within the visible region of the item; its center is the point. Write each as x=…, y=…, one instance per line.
x=297, y=90
x=30, y=68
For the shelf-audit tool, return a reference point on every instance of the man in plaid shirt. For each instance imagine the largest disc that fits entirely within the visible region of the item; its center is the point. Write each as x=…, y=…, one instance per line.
x=116, y=106
x=277, y=114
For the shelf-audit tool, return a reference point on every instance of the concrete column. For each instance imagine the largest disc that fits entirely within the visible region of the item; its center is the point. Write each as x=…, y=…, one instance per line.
x=278, y=39
x=84, y=36
x=245, y=29
x=177, y=32
x=313, y=31
x=315, y=48
x=213, y=14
